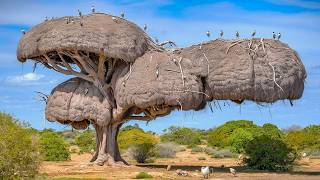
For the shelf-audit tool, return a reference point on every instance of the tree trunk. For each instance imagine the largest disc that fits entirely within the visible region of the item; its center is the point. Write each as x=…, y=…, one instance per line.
x=107, y=151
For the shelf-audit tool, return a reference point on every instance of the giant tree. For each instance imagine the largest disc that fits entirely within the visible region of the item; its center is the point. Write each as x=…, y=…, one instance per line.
x=121, y=74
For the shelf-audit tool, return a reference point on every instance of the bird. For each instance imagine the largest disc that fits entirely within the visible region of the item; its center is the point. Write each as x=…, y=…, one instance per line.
x=46, y=18
x=237, y=34
x=122, y=14
x=114, y=19
x=93, y=9
x=80, y=13
x=253, y=34
x=233, y=171
x=221, y=34
x=157, y=40
x=274, y=35
x=205, y=172
x=145, y=27
x=208, y=33
x=279, y=36
x=23, y=31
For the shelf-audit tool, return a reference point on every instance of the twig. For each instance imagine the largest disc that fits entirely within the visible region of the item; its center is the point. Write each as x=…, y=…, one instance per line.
x=189, y=91
x=237, y=42
x=182, y=75
x=127, y=77
x=261, y=40
x=207, y=62
x=179, y=104
x=274, y=77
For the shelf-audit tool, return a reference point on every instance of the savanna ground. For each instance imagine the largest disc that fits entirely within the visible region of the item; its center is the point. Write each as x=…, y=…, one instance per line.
x=78, y=167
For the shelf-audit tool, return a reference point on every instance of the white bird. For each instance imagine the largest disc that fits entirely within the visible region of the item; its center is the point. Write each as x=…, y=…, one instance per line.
x=221, y=34
x=93, y=9
x=115, y=19
x=233, y=171
x=122, y=14
x=80, y=13
x=23, y=31
x=145, y=27
x=274, y=35
x=208, y=33
x=279, y=36
x=237, y=34
x=205, y=172
x=46, y=18
x=253, y=34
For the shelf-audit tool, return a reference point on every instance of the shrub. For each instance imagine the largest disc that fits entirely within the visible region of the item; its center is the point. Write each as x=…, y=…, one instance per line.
x=267, y=153
x=86, y=141
x=133, y=135
x=225, y=153
x=53, y=147
x=19, y=149
x=238, y=139
x=219, y=136
x=167, y=150
x=143, y=175
x=141, y=152
x=201, y=158
x=197, y=149
x=181, y=135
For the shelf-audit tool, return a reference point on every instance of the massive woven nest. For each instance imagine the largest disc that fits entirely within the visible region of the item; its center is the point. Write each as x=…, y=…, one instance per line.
x=127, y=76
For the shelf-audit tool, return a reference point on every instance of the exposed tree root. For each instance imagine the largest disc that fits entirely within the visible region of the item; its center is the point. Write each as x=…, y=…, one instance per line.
x=207, y=62
x=182, y=75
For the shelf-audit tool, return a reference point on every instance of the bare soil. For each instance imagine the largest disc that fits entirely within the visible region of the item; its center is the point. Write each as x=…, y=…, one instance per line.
x=79, y=167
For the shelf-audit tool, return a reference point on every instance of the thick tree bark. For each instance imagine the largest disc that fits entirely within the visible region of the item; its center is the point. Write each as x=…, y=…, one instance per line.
x=107, y=151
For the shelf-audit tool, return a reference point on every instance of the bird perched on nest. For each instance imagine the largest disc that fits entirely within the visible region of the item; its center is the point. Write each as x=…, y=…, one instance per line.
x=93, y=9
x=23, y=31
x=279, y=36
x=253, y=34
x=233, y=171
x=205, y=172
x=80, y=13
x=237, y=34
x=145, y=27
x=208, y=34
x=221, y=34
x=46, y=18
x=122, y=14
x=274, y=35
x=115, y=19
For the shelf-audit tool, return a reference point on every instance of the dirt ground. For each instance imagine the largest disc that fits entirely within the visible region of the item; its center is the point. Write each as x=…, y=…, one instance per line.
x=79, y=168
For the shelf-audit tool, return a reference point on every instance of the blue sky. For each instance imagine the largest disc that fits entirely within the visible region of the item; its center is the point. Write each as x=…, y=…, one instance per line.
x=184, y=22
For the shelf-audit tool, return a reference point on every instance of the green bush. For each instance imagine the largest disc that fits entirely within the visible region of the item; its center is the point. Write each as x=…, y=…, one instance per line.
x=19, y=150
x=181, y=135
x=267, y=153
x=143, y=175
x=238, y=139
x=219, y=137
x=53, y=147
x=85, y=141
x=133, y=135
x=141, y=152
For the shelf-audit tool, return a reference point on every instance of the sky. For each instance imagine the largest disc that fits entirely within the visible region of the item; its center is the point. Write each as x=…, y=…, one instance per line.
x=184, y=22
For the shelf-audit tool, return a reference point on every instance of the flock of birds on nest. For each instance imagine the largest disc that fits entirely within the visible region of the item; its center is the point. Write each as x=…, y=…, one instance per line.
x=145, y=27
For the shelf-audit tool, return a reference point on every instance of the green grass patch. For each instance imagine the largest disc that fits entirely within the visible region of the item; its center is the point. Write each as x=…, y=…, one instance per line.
x=143, y=175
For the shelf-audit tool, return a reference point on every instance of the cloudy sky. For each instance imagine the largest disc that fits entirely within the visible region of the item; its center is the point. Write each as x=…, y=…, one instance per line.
x=184, y=22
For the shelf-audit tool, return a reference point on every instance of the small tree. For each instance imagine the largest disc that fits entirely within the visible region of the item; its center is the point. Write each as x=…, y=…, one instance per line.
x=86, y=141
x=181, y=135
x=53, y=147
x=19, y=149
x=267, y=153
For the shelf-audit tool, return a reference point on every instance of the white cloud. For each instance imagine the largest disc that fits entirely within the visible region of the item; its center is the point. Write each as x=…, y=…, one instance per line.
x=27, y=79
